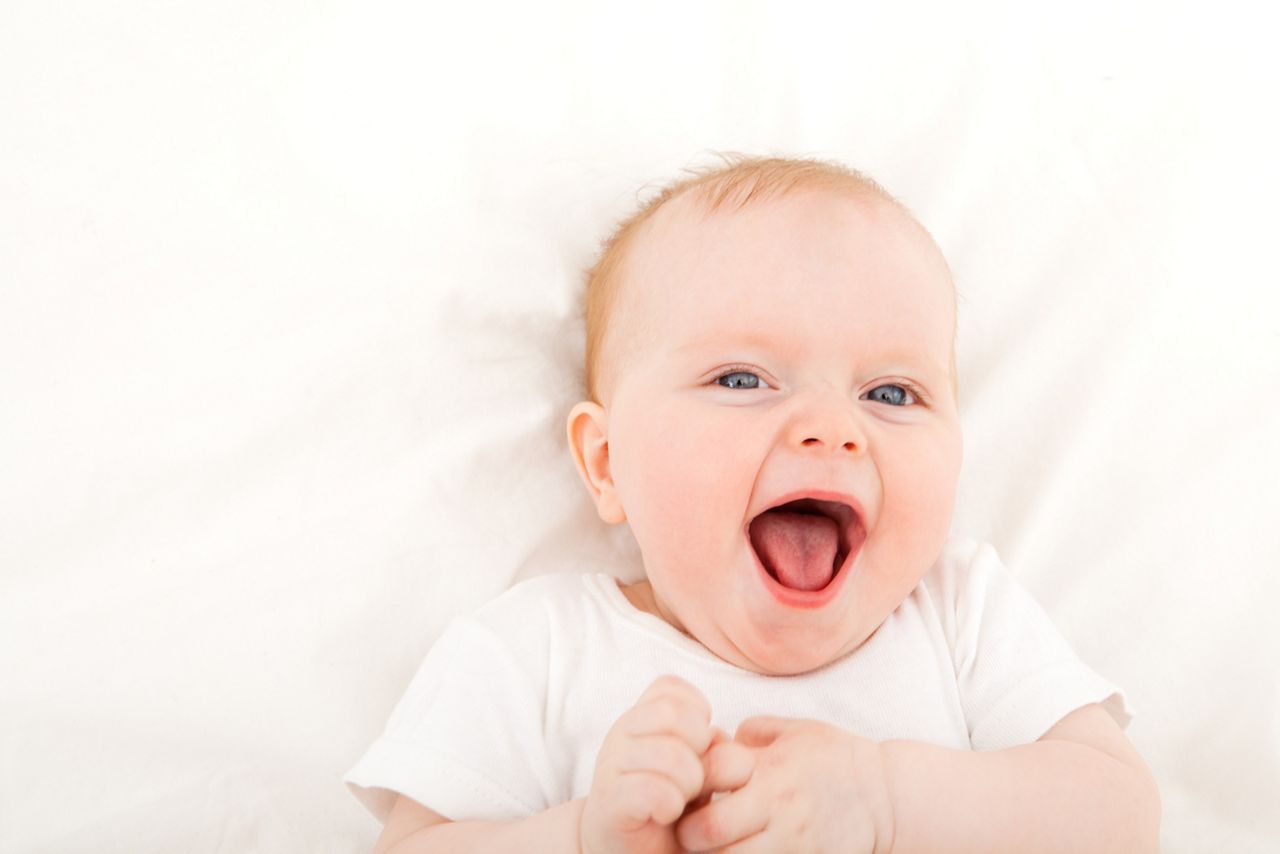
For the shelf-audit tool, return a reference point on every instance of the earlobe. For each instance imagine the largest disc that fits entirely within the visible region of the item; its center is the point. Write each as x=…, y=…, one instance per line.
x=588, y=431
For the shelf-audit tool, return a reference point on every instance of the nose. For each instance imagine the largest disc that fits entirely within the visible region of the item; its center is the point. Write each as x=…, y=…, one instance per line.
x=829, y=418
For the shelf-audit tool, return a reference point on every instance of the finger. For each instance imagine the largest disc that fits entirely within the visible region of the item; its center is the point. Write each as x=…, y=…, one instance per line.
x=762, y=730
x=724, y=821
x=672, y=685
x=671, y=714
x=697, y=803
x=727, y=766
x=763, y=842
x=718, y=737
x=665, y=755
x=643, y=796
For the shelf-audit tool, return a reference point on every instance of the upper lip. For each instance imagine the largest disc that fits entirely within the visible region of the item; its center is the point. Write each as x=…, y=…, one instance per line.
x=847, y=509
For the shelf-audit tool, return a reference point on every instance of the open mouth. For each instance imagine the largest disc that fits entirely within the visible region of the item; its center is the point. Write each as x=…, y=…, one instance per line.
x=804, y=544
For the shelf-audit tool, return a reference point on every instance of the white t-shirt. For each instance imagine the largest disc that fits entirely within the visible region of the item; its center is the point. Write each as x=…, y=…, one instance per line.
x=508, y=710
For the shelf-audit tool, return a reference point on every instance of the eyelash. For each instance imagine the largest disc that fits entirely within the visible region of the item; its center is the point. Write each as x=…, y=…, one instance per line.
x=744, y=369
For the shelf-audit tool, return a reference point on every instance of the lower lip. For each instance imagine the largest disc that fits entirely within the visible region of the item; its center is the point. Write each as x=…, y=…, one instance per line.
x=804, y=598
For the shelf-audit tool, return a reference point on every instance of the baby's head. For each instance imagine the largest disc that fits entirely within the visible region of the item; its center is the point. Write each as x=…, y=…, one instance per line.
x=764, y=331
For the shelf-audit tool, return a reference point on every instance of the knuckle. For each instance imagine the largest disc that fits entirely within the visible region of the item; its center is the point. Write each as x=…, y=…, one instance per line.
x=712, y=829
x=663, y=757
x=680, y=759
x=666, y=711
x=693, y=775
x=772, y=759
x=656, y=795
x=720, y=760
x=714, y=762
x=653, y=717
x=667, y=683
x=683, y=691
x=614, y=749
x=671, y=806
x=640, y=788
x=664, y=752
x=699, y=702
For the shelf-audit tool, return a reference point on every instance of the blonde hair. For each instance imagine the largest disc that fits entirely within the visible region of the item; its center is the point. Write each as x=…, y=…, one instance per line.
x=742, y=181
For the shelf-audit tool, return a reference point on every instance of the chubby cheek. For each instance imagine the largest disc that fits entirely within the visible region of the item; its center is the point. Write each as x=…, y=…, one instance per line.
x=919, y=497
x=684, y=482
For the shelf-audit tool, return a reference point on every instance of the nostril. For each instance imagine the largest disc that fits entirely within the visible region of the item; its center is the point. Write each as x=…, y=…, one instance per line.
x=848, y=446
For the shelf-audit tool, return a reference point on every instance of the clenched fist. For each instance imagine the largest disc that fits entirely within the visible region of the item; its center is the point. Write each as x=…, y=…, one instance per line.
x=661, y=756
x=814, y=789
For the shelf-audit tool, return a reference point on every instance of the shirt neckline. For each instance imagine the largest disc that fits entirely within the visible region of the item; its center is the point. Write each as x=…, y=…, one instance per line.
x=654, y=626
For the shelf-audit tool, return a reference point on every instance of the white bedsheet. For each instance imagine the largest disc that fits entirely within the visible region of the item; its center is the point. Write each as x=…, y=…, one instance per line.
x=288, y=337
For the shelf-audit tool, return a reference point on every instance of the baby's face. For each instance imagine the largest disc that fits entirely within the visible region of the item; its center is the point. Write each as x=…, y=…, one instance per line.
x=816, y=312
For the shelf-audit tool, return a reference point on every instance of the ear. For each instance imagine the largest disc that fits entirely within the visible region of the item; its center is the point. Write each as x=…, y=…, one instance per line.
x=588, y=428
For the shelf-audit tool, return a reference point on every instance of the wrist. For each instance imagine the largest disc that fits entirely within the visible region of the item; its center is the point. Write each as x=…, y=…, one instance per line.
x=885, y=813
x=579, y=836
x=873, y=790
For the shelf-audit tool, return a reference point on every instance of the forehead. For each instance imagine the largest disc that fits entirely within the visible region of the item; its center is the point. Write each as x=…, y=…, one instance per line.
x=807, y=273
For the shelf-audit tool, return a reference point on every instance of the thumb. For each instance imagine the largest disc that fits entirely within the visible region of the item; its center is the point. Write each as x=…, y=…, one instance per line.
x=762, y=730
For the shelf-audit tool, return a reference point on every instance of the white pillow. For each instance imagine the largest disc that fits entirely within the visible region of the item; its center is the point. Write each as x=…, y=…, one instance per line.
x=289, y=333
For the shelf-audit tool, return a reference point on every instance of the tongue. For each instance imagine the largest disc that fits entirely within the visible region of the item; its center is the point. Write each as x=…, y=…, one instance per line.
x=798, y=548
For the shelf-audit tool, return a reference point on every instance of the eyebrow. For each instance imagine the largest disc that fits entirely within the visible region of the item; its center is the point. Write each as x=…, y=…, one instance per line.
x=748, y=339
x=906, y=358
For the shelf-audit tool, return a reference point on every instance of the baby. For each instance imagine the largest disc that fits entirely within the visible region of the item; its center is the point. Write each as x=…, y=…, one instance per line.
x=811, y=664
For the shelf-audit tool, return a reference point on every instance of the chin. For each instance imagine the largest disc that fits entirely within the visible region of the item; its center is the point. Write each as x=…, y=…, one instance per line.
x=792, y=660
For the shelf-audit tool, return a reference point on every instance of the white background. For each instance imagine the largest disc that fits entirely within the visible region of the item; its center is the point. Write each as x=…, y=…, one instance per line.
x=288, y=335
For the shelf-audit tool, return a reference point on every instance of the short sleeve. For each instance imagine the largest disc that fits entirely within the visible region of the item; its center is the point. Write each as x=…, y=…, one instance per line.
x=465, y=740
x=1017, y=674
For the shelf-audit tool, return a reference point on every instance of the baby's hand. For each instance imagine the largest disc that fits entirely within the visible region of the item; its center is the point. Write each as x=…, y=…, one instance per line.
x=815, y=788
x=650, y=766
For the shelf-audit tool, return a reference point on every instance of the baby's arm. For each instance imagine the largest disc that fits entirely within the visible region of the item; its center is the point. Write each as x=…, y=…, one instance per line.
x=1081, y=787
x=413, y=829
x=817, y=787
x=655, y=761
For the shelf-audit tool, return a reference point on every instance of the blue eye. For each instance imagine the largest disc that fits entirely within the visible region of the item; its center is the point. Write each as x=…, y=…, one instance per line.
x=894, y=394
x=891, y=394
x=739, y=379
